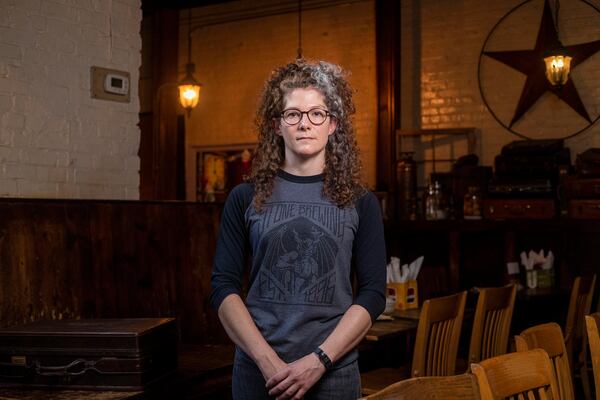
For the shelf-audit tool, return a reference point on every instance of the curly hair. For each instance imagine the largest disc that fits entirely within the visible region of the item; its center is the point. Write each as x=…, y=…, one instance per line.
x=341, y=176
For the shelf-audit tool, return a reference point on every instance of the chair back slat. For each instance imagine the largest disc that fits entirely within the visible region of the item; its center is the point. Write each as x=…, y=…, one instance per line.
x=592, y=323
x=579, y=306
x=522, y=375
x=491, y=324
x=438, y=335
x=549, y=338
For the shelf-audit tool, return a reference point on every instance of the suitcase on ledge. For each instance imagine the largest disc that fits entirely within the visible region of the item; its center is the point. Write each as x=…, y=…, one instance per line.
x=584, y=209
x=582, y=188
x=99, y=354
x=519, y=208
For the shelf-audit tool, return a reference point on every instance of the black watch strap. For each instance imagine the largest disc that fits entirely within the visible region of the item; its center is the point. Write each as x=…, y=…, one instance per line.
x=324, y=358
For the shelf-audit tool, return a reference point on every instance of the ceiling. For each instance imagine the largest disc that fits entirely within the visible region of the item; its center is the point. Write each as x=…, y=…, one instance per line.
x=178, y=4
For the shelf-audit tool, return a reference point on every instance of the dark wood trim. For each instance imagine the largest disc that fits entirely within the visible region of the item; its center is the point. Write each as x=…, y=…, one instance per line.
x=159, y=147
x=387, y=33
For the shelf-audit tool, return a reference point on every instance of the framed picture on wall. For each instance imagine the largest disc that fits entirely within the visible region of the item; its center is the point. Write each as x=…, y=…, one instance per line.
x=220, y=168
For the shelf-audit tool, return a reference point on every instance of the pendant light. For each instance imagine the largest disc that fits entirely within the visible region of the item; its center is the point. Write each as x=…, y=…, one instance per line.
x=299, y=57
x=557, y=60
x=189, y=88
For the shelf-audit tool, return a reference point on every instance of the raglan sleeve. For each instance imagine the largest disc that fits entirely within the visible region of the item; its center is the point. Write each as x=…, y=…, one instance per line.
x=232, y=245
x=369, y=256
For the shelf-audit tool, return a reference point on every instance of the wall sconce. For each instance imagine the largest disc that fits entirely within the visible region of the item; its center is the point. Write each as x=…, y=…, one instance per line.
x=558, y=67
x=558, y=61
x=189, y=88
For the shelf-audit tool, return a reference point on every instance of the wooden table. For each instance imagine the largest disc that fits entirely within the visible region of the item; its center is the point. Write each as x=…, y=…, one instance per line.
x=413, y=314
x=389, y=329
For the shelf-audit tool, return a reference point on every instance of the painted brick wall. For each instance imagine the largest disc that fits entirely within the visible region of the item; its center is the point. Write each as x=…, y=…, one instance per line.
x=451, y=36
x=234, y=57
x=55, y=140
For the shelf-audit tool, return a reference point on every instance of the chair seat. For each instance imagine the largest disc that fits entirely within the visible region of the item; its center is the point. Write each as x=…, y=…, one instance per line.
x=455, y=387
x=374, y=381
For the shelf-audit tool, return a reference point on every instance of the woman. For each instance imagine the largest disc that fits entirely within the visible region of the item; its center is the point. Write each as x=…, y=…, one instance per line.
x=305, y=218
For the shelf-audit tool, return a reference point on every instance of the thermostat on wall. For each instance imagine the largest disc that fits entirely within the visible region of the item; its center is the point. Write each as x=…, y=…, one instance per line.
x=110, y=84
x=116, y=83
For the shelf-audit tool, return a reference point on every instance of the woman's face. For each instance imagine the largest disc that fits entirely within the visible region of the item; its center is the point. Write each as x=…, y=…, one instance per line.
x=305, y=140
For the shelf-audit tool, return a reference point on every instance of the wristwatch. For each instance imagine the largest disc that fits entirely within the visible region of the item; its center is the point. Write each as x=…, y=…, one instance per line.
x=324, y=358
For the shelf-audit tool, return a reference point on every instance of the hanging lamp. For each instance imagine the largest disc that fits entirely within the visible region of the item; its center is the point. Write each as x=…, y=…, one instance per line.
x=299, y=57
x=189, y=88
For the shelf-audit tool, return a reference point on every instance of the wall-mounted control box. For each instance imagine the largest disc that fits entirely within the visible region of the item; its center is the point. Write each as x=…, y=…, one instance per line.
x=110, y=84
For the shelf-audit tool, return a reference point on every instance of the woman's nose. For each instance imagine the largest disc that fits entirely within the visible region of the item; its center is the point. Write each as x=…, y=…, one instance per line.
x=304, y=122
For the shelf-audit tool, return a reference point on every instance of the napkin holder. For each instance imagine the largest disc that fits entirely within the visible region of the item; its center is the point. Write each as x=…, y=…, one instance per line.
x=405, y=294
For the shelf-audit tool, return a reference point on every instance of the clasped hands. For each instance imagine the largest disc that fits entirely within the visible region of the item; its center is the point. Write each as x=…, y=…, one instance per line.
x=293, y=380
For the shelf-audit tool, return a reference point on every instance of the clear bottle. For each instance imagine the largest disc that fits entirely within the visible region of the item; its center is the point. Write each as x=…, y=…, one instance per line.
x=406, y=174
x=435, y=205
x=472, y=203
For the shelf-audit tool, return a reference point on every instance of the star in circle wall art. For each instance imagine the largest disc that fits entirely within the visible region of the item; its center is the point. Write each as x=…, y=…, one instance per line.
x=511, y=70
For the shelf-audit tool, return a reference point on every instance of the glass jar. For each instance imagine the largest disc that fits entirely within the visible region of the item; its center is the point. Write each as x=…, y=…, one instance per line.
x=472, y=203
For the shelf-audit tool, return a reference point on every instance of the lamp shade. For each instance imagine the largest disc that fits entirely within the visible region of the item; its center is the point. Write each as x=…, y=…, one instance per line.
x=558, y=67
x=189, y=89
x=189, y=94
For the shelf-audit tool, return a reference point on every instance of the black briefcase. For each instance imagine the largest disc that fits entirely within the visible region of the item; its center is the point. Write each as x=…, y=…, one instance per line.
x=103, y=354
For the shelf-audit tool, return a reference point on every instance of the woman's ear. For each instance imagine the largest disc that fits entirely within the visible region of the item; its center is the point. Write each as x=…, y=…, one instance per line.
x=276, y=127
x=332, y=126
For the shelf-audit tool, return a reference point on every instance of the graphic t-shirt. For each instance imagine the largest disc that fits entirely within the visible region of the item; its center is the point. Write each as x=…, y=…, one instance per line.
x=302, y=247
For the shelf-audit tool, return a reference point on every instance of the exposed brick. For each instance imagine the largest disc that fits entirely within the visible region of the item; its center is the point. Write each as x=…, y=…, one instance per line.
x=19, y=171
x=10, y=51
x=32, y=188
x=60, y=11
x=8, y=187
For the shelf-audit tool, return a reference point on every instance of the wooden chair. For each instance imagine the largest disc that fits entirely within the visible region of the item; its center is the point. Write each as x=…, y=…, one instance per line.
x=457, y=387
x=592, y=322
x=491, y=324
x=549, y=337
x=575, y=338
x=435, y=347
x=520, y=375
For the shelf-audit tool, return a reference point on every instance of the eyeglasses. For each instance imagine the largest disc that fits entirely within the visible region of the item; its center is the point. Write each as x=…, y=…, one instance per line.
x=316, y=116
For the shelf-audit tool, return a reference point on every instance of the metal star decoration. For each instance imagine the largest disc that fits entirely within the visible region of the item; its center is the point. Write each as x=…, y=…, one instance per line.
x=531, y=63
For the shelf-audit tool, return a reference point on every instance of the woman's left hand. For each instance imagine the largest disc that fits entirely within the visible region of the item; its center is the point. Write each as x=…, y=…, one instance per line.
x=297, y=378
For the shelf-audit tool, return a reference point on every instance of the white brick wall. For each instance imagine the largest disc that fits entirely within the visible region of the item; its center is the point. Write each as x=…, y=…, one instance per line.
x=452, y=34
x=55, y=140
x=233, y=60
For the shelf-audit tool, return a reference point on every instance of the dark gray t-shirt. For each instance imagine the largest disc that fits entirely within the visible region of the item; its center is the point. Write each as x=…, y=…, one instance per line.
x=302, y=247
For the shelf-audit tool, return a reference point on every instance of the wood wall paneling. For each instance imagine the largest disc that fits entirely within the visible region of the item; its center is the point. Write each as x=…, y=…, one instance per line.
x=99, y=259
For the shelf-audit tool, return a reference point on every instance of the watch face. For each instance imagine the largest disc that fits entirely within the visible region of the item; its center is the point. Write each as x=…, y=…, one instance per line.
x=324, y=358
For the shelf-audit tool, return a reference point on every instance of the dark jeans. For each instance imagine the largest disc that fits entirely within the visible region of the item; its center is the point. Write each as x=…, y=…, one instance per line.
x=337, y=384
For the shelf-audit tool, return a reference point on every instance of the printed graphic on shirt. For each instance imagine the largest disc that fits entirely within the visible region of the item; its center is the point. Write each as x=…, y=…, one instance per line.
x=328, y=216
x=298, y=264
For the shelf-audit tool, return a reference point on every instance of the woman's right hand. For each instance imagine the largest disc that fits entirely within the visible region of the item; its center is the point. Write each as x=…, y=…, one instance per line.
x=270, y=365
